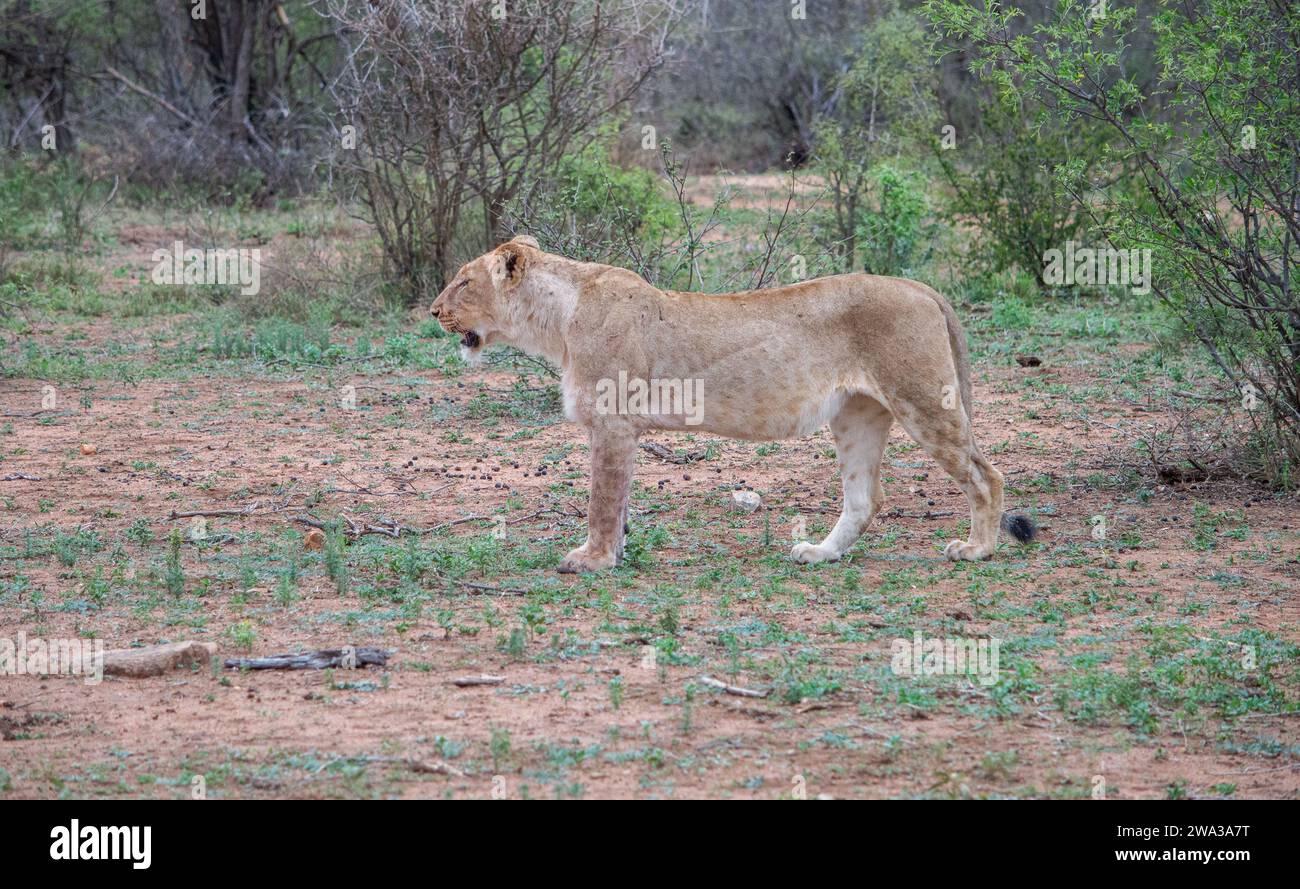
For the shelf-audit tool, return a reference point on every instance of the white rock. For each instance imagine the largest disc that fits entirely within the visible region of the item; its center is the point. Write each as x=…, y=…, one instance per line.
x=745, y=501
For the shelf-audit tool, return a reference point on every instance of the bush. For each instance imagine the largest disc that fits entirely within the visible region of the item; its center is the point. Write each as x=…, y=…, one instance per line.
x=455, y=107
x=896, y=232
x=1003, y=178
x=20, y=202
x=49, y=203
x=590, y=209
x=887, y=99
x=1215, y=144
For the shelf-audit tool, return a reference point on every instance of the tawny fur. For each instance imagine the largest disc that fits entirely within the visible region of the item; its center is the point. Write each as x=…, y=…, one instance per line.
x=855, y=351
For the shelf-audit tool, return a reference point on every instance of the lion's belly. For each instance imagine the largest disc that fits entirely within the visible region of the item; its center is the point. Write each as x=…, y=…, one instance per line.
x=780, y=417
x=776, y=422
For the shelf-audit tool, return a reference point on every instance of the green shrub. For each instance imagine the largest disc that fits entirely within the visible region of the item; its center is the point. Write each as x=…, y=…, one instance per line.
x=1003, y=179
x=591, y=206
x=1216, y=166
x=895, y=232
x=887, y=99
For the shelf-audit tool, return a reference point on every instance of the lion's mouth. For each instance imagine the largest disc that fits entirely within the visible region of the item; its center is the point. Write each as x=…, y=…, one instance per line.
x=468, y=338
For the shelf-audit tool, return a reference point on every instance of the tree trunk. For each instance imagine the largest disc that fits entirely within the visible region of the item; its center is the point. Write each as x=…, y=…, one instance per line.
x=55, y=109
x=243, y=62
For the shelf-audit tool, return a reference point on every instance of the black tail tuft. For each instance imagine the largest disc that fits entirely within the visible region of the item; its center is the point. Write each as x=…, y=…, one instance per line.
x=1019, y=526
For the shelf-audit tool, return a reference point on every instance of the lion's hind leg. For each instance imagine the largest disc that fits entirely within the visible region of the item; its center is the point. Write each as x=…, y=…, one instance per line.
x=861, y=430
x=946, y=436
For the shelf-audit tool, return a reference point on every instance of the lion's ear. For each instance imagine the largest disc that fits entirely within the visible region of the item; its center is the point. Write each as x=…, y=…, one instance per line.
x=527, y=240
x=513, y=263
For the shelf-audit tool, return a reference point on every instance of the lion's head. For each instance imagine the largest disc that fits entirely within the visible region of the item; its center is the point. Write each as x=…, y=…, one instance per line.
x=476, y=302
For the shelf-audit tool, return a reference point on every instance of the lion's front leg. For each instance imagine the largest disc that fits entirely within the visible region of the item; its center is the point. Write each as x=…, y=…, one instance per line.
x=613, y=460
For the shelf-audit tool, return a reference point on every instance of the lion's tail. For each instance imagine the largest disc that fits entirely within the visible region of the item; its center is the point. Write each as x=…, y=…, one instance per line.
x=1019, y=526
x=960, y=352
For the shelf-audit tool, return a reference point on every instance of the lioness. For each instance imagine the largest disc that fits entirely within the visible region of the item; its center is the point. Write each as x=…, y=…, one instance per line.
x=855, y=351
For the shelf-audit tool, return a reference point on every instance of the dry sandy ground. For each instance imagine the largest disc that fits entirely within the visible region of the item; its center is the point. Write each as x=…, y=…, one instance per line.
x=214, y=443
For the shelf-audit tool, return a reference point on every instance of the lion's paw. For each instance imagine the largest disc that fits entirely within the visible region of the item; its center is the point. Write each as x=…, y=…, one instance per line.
x=582, y=560
x=964, y=551
x=811, y=553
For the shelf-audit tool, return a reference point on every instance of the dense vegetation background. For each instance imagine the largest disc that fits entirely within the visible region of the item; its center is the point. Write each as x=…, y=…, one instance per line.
x=956, y=142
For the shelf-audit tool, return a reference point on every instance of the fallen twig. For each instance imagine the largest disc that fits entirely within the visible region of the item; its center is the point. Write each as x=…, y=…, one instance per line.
x=212, y=513
x=928, y=514
x=436, y=767
x=357, y=530
x=732, y=689
x=485, y=588
x=313, y=660
x=668, y=456
x=453, y=522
